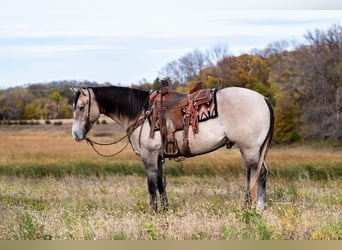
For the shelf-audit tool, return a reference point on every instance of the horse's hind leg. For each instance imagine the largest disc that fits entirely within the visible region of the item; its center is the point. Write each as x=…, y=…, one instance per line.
x=248, y=198
x=162, y=184
x=256, y=185
x=256, y=192
x=262, y=186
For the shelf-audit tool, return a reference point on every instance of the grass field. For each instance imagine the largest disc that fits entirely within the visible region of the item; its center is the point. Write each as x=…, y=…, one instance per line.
x=54, y=188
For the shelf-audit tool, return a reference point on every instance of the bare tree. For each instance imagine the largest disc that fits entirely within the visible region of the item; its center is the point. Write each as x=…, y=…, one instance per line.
x=322, y=67
x=217, y=53
x=189, y=67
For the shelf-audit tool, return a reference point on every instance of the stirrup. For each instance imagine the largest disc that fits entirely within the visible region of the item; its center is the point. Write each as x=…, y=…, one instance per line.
x=170, y=148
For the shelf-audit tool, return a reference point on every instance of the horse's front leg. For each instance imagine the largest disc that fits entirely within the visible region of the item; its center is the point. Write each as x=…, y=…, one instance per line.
x=151, y=167
x=162, y=183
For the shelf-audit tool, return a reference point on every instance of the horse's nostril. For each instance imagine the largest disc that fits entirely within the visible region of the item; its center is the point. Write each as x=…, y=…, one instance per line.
x=76, y=137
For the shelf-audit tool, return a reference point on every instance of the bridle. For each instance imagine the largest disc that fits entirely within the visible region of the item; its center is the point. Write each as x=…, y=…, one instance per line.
x=87, y=125
x=92, y=143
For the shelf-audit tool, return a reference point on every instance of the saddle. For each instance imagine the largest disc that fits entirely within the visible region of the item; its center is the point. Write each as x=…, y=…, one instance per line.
x=171, y=111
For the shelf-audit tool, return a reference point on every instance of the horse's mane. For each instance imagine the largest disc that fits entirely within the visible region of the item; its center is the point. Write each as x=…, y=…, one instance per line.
x=122, y=101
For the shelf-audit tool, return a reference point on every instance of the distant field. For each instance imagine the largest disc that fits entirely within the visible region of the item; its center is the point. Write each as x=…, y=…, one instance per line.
x=54, y=188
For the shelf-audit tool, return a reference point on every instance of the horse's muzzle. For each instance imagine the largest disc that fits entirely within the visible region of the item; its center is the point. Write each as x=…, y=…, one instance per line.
x=77, y=137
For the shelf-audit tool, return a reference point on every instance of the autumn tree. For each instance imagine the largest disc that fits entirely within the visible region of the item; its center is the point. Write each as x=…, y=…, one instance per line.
x=284, y=81
x=56, y=98
x=322, y=83
x=308, y=83
x=12, y=103
x=38, y=101
x=249, y=71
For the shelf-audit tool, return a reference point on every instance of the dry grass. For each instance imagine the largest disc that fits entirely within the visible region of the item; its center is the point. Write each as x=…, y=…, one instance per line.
x=55, y=143
x=116, y=207
x=201, y=208
x=42, y=146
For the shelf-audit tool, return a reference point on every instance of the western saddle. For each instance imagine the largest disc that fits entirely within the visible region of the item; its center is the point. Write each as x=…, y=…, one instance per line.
x=171, y=111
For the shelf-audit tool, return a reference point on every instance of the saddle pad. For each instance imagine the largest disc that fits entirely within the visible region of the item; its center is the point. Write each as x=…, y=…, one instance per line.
x=205, y=111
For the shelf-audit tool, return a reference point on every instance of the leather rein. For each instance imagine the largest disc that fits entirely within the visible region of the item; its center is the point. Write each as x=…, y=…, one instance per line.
x=137, y=123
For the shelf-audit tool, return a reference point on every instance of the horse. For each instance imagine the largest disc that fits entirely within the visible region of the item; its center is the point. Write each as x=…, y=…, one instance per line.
x=245, y=119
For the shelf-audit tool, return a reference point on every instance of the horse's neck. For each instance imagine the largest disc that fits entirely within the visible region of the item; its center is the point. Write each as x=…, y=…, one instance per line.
x=122, y=105
x=123, y=121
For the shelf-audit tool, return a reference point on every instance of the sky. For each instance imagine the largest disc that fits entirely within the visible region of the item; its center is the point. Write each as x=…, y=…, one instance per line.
x=123, y=42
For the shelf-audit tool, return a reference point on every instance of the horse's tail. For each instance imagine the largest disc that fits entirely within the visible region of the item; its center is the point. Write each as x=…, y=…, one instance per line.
x=263, y=151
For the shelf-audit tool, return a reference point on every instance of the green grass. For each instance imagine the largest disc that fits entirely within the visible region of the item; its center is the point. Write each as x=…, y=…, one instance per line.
x=311, y=171
x=60, y=169
x=314, y=171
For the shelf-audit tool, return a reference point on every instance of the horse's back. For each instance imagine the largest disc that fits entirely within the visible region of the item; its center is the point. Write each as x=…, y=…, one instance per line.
x=239, y=93
x=245, y=114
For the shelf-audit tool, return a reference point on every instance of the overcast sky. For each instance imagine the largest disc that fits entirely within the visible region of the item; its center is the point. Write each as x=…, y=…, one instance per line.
x=126, y=41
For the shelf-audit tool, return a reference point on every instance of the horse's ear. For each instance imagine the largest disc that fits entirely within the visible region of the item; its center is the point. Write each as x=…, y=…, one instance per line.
x=83, y=91
x=74, y=90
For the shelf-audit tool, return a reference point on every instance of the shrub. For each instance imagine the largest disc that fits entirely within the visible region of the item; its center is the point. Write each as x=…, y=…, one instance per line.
x=58, y=123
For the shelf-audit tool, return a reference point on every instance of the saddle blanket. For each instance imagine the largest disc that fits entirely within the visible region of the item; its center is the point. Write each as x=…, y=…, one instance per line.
x=205, y=111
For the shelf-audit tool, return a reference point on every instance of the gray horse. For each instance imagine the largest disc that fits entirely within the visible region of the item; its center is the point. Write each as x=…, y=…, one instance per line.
x=245, y=118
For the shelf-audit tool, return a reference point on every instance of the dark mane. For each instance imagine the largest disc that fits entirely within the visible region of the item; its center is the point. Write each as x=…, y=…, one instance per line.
x=121, y=101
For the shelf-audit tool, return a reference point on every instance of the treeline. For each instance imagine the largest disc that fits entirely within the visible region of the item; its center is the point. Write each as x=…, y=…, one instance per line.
x=39, y=101
x=303, y=82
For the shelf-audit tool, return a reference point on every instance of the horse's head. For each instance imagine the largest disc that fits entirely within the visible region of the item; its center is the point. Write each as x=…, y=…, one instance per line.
x=86, y=112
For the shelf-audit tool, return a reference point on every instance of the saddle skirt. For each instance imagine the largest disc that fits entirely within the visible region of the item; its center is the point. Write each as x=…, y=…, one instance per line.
x=171, y=111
